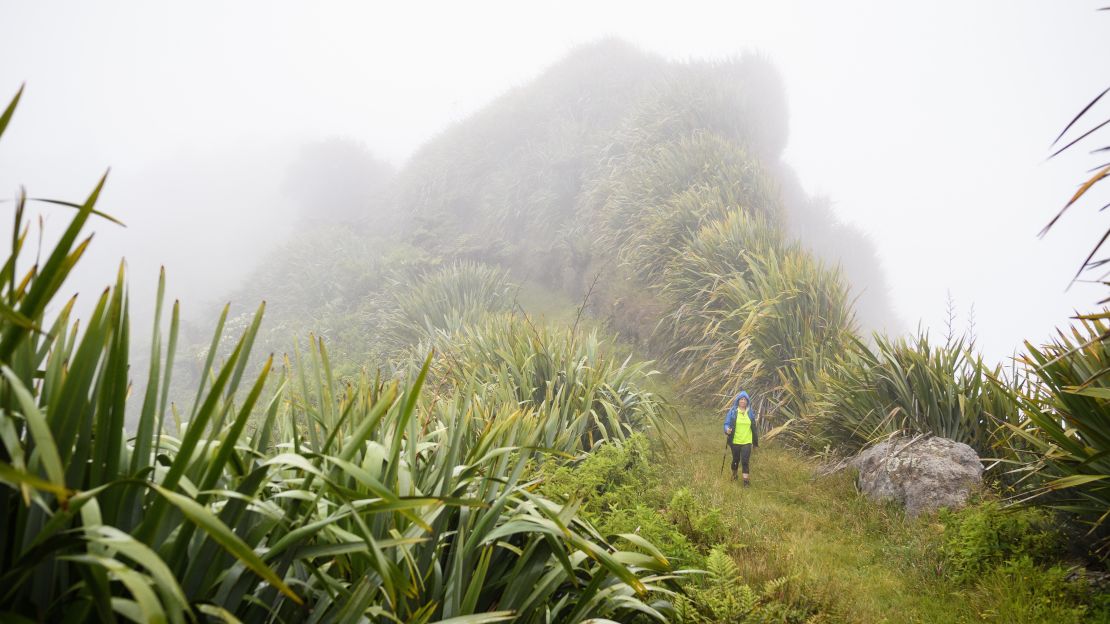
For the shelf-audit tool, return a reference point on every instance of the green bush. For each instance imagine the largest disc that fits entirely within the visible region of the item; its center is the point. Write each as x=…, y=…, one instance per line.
x=617, y=487
x=979, y=538
x=577, y=391
x=705, y=526
x=445, y=300
x=1007, y=561
x=747, y=308
x=612, y=475
x=653, y=526
x=1021, y=592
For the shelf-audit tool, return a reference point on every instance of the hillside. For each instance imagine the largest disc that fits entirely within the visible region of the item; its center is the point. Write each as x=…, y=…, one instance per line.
x=523, y=183
x=654, y=192
x=490, y=388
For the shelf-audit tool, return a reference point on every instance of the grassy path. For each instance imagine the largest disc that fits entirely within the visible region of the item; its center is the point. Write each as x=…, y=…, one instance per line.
x=856, y=560
x=860, y=561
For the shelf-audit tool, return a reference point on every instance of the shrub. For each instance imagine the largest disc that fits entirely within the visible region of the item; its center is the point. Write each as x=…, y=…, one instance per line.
x=771, y=327
x=445, y=300
x=705, y=526
x=612, y=475
x=978, y=539
x=647, y=522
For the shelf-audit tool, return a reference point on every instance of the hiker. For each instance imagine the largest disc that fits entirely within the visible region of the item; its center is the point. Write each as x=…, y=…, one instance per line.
x=741, y=434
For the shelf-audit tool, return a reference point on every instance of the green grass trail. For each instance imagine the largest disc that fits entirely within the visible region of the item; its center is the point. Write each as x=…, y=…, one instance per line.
x=861, y=561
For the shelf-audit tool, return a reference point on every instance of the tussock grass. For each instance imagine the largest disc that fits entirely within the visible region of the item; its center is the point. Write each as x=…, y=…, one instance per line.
x=579, y=393
x=912, y=385
x=445, y=300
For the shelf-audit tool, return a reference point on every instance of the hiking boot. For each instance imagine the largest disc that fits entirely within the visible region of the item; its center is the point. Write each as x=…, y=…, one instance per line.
x=734, y=476
x=747, y=483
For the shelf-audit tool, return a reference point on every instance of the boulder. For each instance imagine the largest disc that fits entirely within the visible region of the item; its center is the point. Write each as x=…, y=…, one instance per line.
x=922, y=473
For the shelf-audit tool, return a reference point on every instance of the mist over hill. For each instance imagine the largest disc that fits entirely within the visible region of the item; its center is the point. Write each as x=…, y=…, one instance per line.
x=523, y=184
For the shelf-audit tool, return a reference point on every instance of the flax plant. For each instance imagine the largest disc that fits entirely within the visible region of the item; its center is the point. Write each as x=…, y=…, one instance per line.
x=913, y=385
x=324, y=501
x=1063, y=441
x=579, y=394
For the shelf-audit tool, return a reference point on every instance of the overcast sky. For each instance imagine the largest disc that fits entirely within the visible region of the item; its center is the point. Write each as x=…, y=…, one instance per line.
x=927, y=124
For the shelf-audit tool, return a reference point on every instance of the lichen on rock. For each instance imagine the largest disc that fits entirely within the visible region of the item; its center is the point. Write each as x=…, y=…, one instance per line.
x=922, y=473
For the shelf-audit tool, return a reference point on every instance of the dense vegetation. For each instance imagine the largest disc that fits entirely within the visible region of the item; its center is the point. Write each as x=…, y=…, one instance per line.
x=439, y=451
x=328, y=500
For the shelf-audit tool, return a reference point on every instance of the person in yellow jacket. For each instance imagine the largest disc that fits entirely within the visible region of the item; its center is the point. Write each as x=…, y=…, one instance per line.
x=741, y=433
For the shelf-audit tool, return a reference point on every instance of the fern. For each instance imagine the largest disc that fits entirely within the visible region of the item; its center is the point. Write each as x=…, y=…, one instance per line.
x=726, y=598
x=686, y=612
x=721, y=568
x=774, y=587
x=723, y=598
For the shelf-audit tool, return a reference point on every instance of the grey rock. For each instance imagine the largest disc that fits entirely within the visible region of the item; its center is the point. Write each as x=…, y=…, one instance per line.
x=1097, y=581
x=922, y=473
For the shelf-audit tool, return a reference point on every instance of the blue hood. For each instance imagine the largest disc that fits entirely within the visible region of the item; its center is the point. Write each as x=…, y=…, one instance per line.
x=730, y=419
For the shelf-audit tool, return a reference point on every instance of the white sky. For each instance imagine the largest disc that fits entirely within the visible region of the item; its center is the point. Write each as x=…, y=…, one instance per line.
x=926, y=123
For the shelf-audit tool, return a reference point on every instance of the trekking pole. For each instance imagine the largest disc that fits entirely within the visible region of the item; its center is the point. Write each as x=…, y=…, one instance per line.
x=724, y=457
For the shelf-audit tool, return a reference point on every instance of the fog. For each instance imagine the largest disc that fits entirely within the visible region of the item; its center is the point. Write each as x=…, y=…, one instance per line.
x=925, y=126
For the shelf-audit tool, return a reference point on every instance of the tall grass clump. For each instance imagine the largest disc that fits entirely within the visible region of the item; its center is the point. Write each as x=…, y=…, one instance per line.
x=787, y=318
x=911, y=385
x=659, y=194
x=447, y=299
x=1063, y=441
x=325, y=501
x=99, y=524
x=576, y=390
x=753, y=311
x=473, y=538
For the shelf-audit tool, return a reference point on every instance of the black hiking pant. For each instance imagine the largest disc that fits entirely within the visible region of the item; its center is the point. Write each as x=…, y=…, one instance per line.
x=741, y=454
